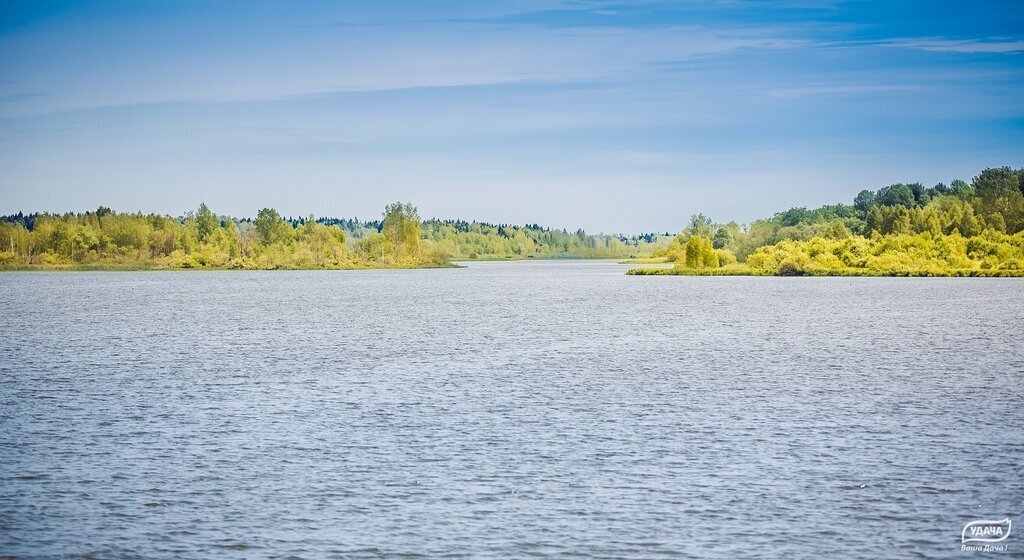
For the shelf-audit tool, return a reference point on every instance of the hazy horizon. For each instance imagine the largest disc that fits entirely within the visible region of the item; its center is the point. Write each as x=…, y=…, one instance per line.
x=612, y=117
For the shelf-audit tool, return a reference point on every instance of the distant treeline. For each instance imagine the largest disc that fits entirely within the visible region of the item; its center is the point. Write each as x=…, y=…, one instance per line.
x=903, y=229
x=461, y=239
x=472, y=240
x=202, y=239
x=963, y=229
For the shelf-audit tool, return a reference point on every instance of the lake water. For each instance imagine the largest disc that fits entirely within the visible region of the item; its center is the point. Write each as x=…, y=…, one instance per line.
x=508, y=409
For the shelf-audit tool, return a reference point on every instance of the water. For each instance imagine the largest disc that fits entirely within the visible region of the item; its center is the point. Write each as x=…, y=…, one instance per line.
x=506, y=410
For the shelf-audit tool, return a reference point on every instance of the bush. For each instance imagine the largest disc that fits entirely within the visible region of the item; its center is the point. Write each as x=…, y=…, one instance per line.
x=725, y=257
x=793, y=265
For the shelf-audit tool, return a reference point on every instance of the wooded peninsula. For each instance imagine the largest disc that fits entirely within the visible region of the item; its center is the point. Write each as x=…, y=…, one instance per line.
x=960, y=229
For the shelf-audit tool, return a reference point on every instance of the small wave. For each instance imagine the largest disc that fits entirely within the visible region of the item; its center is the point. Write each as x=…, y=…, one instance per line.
x=854, y=486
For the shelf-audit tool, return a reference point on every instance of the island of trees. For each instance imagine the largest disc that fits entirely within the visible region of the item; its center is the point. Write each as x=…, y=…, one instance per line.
x=960, y=229
x=963, y=229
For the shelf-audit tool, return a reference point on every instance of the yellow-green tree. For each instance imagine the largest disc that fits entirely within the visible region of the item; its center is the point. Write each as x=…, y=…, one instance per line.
x=700, y=253
x=206, y=222
x=402, y=228
x=271, y=228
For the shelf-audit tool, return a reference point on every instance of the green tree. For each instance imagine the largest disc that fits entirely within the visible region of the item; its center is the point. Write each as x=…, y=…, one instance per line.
x=896, y=195
x=206, y=222
x=864, y=200
x=998, y=191
x=722, y=238
x=922, y=196
x=700, y=226
x=270, y=227
x=232, y=239
x=960, y=189
x=901, y=223
x=795, y=216
x=402, y=228
x=309, y=226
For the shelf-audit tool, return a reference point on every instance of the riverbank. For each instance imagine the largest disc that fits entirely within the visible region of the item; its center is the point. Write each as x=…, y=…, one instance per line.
x=559, y=257
x=159, y=267
x=646, y=260
x=743, y=270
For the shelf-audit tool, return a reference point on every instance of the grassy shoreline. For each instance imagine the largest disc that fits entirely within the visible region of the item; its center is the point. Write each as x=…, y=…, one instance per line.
x=150, y=267
x=135, y=267
x=742, y=270
x=560, y=257
x=646, y=260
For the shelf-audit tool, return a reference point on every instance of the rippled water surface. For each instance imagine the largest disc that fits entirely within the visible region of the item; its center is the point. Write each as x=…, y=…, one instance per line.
x=506, y=410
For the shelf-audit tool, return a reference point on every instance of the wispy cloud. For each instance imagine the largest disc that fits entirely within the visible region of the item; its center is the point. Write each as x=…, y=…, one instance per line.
x=842, y=89
x=481, y=109
x=354, y=60
x=939, y=44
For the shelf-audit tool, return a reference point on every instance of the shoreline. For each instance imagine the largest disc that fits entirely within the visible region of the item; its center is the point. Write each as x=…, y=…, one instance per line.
x=143, y=268
x=834, y=273
x=453, y=263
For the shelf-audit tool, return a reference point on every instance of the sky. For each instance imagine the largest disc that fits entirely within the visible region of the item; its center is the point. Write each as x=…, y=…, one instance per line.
x=620, y=117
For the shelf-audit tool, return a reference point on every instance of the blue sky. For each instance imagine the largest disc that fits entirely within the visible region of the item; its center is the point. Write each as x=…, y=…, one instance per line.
x=612, y=116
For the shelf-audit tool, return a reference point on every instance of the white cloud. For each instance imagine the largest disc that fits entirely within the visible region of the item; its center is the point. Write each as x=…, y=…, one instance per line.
x=121, y=65
x=841, y=89
x=940, y=44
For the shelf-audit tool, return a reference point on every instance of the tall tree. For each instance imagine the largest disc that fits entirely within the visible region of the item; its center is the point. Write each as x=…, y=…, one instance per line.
x=270, y=227
x=896, y=195
x=402, y=228
x=864, y=200
x=206, y=222
x=1001, y=201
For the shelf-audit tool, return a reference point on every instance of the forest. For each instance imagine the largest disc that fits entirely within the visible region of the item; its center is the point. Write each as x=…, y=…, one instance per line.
x=960, y=229
x=105, y=239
